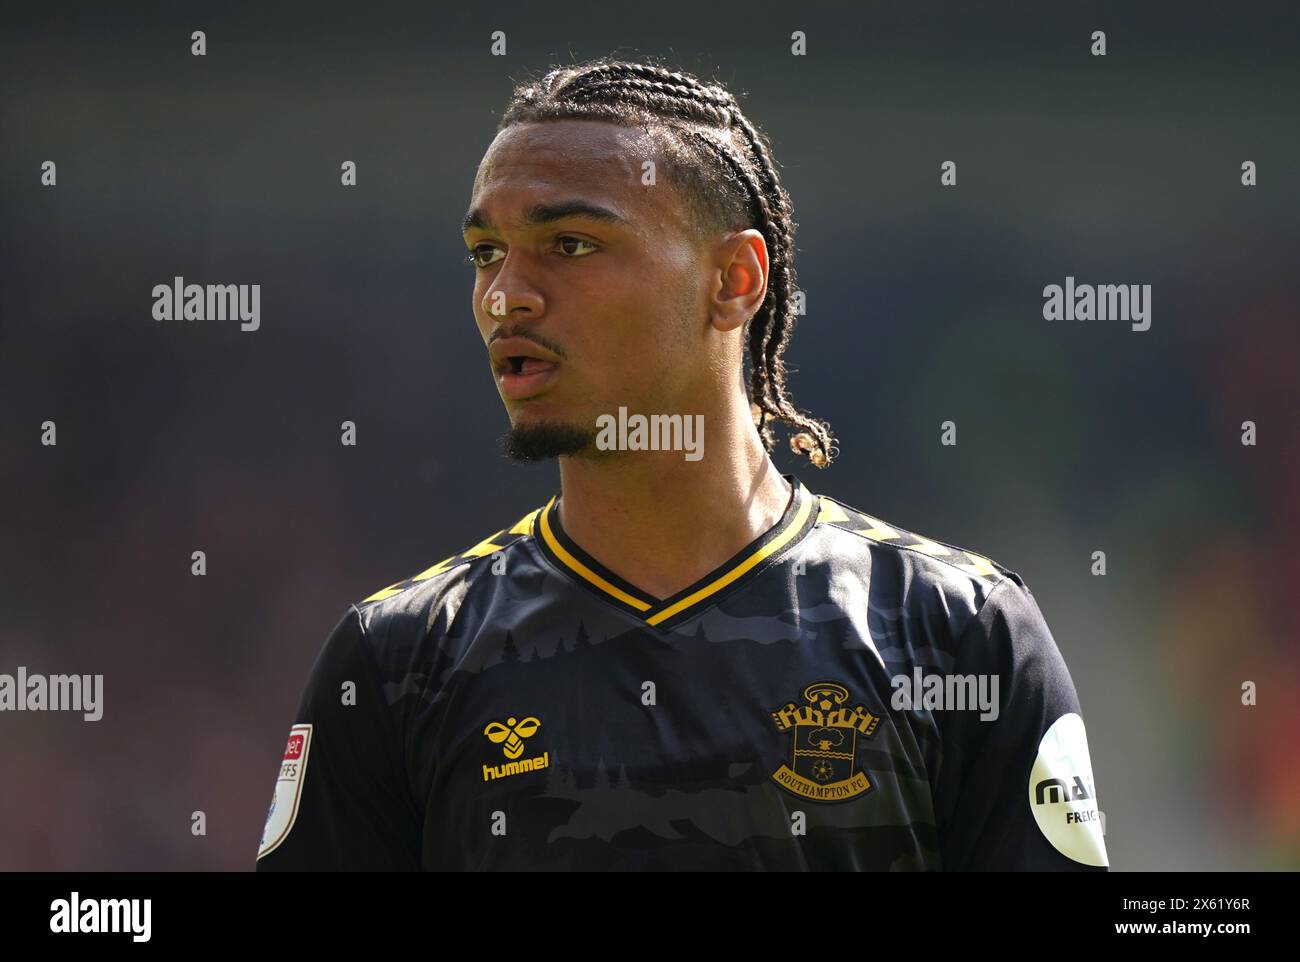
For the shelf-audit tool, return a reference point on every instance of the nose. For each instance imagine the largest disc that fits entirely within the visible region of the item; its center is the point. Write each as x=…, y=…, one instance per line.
x=510, y=295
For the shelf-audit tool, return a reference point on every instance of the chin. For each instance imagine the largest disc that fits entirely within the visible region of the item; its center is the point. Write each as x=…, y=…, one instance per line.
x=534, y=437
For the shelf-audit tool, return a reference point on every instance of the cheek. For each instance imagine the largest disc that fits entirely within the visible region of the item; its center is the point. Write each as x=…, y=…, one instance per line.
x=642, y=365
x=660, y=325
x=635, y=333
x=638, y=330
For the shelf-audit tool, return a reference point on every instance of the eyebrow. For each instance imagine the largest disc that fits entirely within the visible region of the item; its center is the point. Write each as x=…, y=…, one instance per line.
x=539, y=214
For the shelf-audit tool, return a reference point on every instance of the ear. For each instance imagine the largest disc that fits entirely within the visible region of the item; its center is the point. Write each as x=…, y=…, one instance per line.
x=741, y=284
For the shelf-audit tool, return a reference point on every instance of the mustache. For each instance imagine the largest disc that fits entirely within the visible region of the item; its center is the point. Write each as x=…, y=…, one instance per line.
x=529, y=335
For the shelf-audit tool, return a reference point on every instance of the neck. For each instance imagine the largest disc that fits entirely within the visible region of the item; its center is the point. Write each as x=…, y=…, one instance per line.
x=662, y=522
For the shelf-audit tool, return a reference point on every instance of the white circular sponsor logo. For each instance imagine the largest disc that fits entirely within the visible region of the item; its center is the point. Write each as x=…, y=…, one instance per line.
x=1063, y=795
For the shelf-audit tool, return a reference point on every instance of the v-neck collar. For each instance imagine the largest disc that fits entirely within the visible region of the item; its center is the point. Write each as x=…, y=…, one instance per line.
x=797, y=520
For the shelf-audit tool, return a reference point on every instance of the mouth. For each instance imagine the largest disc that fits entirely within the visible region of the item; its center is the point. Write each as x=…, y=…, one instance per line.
x=520, y=377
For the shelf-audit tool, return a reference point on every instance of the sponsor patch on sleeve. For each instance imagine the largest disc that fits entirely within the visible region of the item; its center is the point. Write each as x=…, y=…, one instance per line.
x=1063, y=796
x=288, y=790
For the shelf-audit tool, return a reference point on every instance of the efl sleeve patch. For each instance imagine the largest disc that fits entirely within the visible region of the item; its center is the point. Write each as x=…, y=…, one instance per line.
x=288, y=790
x=1063, y=796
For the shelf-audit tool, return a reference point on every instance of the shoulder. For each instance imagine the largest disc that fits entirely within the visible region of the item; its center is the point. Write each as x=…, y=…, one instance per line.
x=419, y=598
x=920, y=570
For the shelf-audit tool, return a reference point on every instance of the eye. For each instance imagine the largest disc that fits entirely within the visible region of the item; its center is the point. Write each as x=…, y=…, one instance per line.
x=473, y=256
x=476, y=255
x=577, y=240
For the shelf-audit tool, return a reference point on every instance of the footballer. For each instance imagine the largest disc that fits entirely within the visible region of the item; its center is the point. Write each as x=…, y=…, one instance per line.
x=684, y=659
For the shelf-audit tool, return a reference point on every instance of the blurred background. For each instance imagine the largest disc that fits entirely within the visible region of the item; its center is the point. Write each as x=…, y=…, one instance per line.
x=924, y=305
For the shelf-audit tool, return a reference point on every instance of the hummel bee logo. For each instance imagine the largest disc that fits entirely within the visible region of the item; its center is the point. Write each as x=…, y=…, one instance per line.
x=512, y=734
x=825, y=744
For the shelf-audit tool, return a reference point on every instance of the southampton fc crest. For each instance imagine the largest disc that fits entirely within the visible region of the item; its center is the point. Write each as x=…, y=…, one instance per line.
x=825, y=734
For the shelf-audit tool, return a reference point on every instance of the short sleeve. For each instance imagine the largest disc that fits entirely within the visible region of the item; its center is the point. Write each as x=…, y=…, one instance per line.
x=342, y=800
x=1016, y=791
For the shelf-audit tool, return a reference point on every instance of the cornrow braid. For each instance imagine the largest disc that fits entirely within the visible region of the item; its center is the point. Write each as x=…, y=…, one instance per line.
x=730, y=180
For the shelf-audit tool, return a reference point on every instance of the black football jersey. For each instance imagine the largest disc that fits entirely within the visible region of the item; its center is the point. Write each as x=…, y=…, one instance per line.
x=841, y=694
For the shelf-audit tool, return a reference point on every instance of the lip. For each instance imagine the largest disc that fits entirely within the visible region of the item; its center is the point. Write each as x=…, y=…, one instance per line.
x=518, y=387
x=502, y=349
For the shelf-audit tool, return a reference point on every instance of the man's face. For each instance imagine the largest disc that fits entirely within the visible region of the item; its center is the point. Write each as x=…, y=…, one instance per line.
x=610, y=300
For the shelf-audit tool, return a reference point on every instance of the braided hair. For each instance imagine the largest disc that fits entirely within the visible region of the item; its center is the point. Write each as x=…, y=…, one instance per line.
x=723, y=165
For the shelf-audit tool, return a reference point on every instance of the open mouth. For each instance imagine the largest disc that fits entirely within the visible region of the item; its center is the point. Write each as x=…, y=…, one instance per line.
x=521, y=377
x=520, y=364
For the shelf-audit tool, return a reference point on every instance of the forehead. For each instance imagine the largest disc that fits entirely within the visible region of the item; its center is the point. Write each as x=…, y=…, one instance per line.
x=570, y=160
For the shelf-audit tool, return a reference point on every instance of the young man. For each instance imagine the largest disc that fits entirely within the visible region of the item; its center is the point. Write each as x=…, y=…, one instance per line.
x=685, y=660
